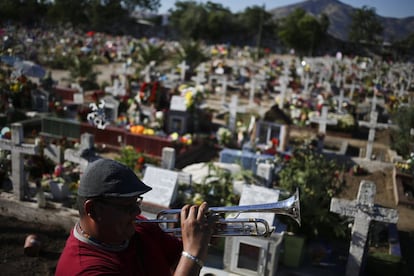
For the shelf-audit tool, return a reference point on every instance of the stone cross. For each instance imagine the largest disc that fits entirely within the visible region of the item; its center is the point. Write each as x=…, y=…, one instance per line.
x=201, y=73
x=147, y=73
x=372, y=125
x=84, y=154
x=223, y=89
x=341, y=98
x=18, y=149
x=306, y=84
x=352, y=88
x=199, y=78
x=283, y=90
x=374, y=101
x=254, y=83
x=233, y=113
x=323, y=120
x=364, y=211
x=183, y=68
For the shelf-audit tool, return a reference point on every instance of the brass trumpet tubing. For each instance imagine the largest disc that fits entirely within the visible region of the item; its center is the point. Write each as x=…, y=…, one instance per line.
x=235, y=226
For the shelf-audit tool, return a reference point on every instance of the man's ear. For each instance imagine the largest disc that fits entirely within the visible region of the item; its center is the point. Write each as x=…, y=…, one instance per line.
x=89, y=208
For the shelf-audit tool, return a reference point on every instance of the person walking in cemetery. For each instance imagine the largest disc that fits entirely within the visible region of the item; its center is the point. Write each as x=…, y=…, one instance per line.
x=108, y=240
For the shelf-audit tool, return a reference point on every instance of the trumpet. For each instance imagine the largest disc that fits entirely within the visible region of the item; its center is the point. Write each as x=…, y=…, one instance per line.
x=234, y=226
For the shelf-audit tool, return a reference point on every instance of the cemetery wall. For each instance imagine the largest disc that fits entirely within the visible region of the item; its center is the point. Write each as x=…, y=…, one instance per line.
x=29, y=212
x=113, y=138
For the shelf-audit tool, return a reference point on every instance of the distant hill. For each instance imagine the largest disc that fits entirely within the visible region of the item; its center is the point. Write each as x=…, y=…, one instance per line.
x=340, y=16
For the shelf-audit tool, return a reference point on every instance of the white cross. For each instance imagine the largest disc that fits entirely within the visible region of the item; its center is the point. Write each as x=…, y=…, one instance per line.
x=254, y=83
x=18, y=149
x=323, y=120
x=341, y=98
x=233, y=112
x=372, y=125
x=364, y=211
x=183, y=68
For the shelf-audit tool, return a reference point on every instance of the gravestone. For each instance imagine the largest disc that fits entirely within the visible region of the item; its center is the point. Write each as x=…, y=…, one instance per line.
x=372, y=125
x=18, y=150
x=223, y=89
x=54, y=152
x=164, y=186
x=183, y=68
x=254, y=255
x=340, y=100
x=117, y=89
x=200, y=78
x=84, y=154
x=233, y=113
x=178, y=119
x=255, y=82
x=253, y=194
x=244, y=158
x=364, y=211
x=40, y=100
x=265, y=131
x=284, y=81
x=265, y=170
x=168, y=158
x=111, y=108
x=323, y=120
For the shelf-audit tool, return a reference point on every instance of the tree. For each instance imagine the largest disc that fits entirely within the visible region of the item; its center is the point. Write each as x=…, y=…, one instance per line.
x=219, y=22
x=318, y=180
x=365, y=26
x=402, y=140
x=151, y=5
x=256, y=24
x=191, y=52
x=302, y=31
x=190, y=20
x=82, y=71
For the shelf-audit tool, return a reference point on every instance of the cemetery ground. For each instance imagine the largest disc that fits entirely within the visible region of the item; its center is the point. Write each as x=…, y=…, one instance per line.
x=14, y=232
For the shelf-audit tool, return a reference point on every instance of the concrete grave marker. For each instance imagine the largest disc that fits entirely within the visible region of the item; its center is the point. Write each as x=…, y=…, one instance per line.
x=233, y=113
x=164, y=186
x=84, y=154
x=18, y=149
x=254, y=255
x=364, y=211
x=178, y=103
x=168, y=158
x=323, y=120
x=372, y=125
x=253, y=194
x=183, y=68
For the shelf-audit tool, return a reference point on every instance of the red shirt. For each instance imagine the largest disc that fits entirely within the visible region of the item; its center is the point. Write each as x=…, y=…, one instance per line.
x=150, y=252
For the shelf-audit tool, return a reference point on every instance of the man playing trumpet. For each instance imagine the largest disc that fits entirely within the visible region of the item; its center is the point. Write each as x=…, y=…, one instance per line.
x=108, y=241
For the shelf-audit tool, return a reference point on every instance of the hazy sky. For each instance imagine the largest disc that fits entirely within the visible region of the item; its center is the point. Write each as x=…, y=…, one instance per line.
x=388, y=8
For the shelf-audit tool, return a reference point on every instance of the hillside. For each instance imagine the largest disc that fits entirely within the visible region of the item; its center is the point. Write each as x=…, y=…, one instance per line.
x=340, y=16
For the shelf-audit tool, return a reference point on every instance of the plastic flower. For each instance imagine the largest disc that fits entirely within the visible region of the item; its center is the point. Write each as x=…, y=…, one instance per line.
x=174, y=136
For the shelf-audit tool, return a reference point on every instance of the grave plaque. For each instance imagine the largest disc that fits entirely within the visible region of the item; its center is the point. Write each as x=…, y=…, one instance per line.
x=265, y=170
x=364, y=211
x=252, y=194
x=164, y=186
x=254, y=255
x=178, y=103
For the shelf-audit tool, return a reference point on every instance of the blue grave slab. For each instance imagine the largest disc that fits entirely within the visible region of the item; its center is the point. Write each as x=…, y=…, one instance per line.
x=246, y=159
